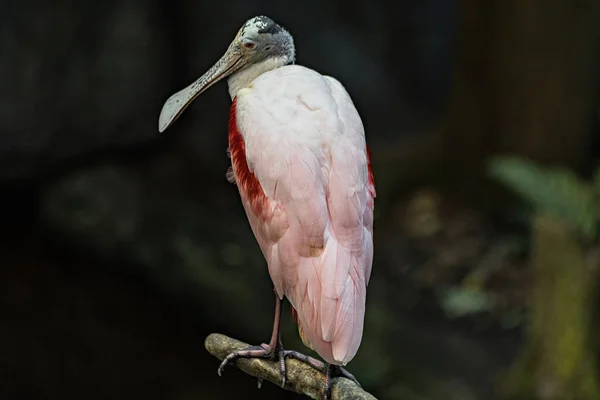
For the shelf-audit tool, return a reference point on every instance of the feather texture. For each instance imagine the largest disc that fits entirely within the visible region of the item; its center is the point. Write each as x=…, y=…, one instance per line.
x=302, y=168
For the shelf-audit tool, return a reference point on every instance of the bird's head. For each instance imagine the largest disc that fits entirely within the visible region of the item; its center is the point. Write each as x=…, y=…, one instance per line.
x=261, y=38
x=260, y=45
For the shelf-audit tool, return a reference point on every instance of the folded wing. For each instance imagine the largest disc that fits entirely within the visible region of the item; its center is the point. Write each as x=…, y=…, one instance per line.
x=305, y=146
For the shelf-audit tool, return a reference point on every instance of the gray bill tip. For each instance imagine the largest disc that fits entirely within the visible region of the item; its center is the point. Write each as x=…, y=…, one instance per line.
x=172, y=109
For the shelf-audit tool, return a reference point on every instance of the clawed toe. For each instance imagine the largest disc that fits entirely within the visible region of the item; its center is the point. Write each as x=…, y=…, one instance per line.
x=313, y=362
x=282, y=369
x=262, y=351
x=346, y=374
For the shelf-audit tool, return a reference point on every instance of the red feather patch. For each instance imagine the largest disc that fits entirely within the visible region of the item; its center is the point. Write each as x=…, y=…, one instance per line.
x=371, y=182
x=249, y=186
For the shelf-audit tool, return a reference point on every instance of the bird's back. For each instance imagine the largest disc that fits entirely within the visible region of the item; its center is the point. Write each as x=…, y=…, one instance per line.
x=300, y=160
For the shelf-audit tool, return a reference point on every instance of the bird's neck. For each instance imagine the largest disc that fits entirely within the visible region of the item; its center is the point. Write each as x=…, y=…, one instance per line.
x=243, y=78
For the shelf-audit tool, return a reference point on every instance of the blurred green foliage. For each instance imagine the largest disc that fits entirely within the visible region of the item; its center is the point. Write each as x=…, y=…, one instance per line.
x=557, y=360
x=554, y=190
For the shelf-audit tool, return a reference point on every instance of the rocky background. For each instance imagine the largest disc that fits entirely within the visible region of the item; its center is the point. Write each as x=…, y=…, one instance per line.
x=122, y=250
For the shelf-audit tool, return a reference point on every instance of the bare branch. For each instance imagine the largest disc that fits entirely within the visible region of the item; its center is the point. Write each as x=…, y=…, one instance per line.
x=301, y=378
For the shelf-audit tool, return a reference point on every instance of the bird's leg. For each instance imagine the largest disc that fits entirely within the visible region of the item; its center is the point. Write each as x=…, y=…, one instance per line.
x=272, y=351
x=331, y=371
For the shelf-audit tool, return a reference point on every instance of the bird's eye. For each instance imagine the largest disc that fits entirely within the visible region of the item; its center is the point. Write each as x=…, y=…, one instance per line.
x=250, y=45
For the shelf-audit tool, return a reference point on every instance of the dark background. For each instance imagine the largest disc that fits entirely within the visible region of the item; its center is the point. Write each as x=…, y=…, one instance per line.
x=122, y=250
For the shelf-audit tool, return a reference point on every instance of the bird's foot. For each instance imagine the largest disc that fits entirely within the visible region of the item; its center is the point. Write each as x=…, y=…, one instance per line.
x=335, y=371
x=330, y=371
x=262, y=351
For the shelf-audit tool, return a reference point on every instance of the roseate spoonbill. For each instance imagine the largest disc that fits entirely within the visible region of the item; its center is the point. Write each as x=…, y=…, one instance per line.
x=301, y=164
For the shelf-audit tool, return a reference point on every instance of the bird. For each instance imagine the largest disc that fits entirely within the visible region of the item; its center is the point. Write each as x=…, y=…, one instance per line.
x=302, y=167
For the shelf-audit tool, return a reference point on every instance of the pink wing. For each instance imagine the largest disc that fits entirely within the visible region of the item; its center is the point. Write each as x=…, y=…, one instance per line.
x=300, y=159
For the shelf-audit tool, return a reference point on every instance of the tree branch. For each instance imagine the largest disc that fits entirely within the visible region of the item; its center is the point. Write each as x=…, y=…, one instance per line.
x=301, y=378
